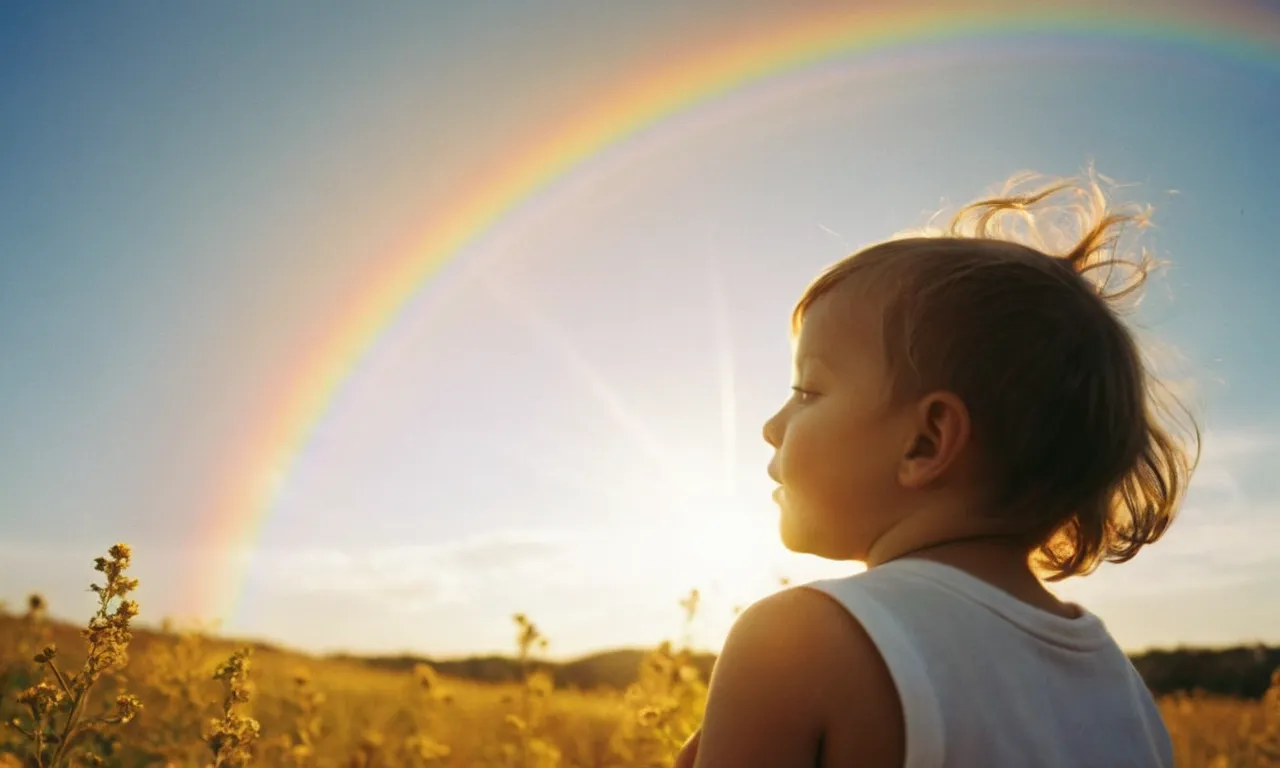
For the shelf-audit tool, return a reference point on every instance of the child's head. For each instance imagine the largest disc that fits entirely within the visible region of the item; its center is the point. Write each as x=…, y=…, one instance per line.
x=972, y=383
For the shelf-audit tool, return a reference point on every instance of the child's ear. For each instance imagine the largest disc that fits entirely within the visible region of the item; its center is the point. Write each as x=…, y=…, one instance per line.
x=940, y=433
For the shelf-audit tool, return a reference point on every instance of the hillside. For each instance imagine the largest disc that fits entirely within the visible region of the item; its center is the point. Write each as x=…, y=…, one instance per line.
x=339, y=711
x=1243, y=671
x=607, y=669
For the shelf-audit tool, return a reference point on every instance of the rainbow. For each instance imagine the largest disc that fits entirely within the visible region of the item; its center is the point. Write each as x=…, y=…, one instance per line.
x=680, y=86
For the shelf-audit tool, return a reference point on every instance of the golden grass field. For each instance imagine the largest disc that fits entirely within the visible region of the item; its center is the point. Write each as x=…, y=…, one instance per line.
x=112, y=695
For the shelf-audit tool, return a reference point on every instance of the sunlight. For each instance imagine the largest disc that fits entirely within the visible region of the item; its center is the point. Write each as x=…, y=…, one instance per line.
x=731, y=540
x=639, y=433
x=683, y=511
x=728, y=388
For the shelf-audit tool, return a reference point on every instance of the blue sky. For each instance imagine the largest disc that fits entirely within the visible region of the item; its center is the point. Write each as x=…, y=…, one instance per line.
x=567, y=420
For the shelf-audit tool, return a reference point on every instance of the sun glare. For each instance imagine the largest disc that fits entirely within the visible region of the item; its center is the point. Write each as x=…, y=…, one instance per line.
x=732, y=536
x=728, y=546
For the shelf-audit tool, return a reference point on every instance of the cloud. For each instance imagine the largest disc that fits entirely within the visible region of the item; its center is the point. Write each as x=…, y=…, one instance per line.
x=412, y=576
x=459, y=596
x=1197, y=563
x=1229, y=458
x=1223, y=445
x=1225, y=533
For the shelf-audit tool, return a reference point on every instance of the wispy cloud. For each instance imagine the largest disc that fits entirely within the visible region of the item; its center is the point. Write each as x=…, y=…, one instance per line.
x=1223, y=537
x=460, y=595
x=844, y=242
x=1225, y=445
x=412, y=576
x=1226, y=453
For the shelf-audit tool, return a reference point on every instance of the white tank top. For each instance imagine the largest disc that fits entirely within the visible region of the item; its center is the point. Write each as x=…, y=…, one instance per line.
x=988, y=680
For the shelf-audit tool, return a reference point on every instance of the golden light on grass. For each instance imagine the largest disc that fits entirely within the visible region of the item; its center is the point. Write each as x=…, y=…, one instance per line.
x=212, y=707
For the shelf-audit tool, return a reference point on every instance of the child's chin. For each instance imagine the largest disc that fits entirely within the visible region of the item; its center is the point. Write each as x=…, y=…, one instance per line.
x=806, y=541
x=799, y=539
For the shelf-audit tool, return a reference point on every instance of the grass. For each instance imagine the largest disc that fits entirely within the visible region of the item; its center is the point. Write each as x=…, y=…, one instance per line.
x=110, y=695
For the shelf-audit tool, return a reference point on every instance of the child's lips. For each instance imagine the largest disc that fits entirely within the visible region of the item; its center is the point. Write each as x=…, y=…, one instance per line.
x=778, y=493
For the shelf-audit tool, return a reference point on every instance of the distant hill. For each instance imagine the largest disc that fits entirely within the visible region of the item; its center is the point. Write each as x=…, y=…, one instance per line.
x=608, y=669
x=1244, y=671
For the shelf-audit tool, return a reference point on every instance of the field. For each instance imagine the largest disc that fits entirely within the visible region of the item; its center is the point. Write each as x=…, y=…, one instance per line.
x=110, y=694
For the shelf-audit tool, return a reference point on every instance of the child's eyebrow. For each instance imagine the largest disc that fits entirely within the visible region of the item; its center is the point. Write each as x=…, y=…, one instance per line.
x=812, y=359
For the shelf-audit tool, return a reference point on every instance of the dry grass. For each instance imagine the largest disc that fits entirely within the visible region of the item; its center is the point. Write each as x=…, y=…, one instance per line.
x=183, y=698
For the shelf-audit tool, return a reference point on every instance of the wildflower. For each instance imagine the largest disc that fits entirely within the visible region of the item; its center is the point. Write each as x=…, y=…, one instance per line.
x=300, y=745
x=426, y=676
x=648, y=716
x=36, y=607
x=127, y=707
x=41, y=699
x=426, y=748
x=540, y=684
x=230, y=736
x=516, y=723
x=690, y=604
x=528, y=636
x=229, y=739
x=107, y=637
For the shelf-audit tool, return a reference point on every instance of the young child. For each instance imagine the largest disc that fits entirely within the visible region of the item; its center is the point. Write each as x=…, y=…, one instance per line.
x=970, y=418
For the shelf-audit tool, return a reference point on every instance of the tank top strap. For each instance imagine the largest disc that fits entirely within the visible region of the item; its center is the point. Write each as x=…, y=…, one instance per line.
x=922, y=717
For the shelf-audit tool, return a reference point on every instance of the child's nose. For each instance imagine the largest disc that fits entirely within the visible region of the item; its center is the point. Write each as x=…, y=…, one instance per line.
x=773, y=430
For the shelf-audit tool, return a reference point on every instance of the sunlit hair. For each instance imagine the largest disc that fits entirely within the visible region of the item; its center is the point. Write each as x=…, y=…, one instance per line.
x=1016, y=307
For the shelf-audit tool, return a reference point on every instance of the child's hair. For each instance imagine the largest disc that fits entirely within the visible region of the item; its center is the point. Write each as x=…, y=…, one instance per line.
x=1080, y=439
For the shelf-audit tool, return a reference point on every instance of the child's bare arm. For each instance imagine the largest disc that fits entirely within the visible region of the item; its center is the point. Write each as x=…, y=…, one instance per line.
x=689, y=752
x=799, y=684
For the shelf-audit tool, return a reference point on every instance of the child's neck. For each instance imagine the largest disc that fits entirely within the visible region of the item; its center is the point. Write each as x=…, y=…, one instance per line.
x=999, y=561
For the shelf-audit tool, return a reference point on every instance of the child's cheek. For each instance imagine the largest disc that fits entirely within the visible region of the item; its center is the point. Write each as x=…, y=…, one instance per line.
x=802, y=458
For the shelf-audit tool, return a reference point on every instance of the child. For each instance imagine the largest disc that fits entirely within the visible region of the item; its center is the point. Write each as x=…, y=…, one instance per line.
x=970, y=417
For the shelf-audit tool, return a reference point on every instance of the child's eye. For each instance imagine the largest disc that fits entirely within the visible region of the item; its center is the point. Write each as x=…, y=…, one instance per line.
x=802, y=395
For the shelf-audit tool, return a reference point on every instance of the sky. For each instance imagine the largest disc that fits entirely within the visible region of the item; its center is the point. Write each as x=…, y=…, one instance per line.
x=566, y=419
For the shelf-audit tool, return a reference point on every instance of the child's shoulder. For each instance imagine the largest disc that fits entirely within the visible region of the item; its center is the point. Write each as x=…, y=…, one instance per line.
x=795, y=663
x=802, y=624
